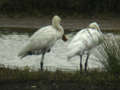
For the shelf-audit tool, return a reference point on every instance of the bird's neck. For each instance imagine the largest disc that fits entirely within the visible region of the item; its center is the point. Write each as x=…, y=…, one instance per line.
x=59, y=30
x=58, y=27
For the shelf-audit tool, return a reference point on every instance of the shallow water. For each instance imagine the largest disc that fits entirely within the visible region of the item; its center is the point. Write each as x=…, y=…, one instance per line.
x=12, y=43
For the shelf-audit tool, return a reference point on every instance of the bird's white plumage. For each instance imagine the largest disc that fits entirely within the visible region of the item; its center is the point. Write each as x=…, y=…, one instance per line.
x=84, y=41
x=44, y=38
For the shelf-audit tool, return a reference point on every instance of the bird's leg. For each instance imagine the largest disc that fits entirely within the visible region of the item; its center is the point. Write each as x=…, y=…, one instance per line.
x=86, y=63
x=41, y=63
x=80, y=63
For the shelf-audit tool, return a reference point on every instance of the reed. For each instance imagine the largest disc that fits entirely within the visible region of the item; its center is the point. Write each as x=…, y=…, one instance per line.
x=110, y=51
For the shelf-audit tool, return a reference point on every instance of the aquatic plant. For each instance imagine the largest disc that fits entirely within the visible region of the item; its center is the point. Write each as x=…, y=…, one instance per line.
x=110, y=52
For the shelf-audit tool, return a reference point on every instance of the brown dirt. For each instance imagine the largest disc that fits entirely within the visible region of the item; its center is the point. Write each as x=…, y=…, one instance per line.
x=70, y=23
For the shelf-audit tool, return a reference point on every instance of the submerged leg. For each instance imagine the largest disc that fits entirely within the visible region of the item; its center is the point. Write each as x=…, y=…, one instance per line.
x=80, y=63
x=42, y=59
x=86, y=63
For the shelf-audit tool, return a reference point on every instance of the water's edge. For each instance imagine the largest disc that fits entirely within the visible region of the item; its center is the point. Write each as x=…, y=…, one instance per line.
x=31, y=30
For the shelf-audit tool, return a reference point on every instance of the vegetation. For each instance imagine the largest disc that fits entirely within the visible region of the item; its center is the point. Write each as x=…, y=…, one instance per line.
x=15, y=75
x=110, y=51
x=93, y=80
x=70, y=7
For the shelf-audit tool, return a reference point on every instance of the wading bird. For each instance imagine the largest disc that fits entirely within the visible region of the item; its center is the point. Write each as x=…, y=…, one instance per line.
x=42, y=40
x=84, y=41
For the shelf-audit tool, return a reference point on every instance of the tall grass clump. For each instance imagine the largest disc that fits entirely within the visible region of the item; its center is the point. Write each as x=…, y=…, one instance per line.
x=110, y=52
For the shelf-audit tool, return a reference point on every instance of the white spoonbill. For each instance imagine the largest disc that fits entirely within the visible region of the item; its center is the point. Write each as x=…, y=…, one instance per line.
x=84, y=41
x=42, y=40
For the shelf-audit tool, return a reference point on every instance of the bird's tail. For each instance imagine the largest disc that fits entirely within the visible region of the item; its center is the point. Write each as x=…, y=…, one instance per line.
x=68, y=58
x=70, y=54
x=21, y=55
x=24, y=51
x=72, y=51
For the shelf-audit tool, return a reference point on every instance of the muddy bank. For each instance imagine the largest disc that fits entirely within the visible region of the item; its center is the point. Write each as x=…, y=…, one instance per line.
x=29, y=24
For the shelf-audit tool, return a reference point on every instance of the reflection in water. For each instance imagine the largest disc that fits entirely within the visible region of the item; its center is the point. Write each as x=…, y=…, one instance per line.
x=11, y=44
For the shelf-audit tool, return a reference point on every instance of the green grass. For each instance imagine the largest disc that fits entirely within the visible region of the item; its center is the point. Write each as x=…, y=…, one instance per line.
x=110, y=50
x=94, y=77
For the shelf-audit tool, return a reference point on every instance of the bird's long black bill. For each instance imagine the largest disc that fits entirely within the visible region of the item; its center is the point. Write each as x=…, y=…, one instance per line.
x=64, y=38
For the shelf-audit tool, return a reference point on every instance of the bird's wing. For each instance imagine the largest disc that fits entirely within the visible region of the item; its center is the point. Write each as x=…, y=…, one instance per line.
x=77, y=44
x=79, y=37
x=43, y=38
x=80, y=42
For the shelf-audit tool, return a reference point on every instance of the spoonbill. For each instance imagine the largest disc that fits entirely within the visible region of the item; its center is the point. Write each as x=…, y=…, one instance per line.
x=84, y=41
x=43, y=39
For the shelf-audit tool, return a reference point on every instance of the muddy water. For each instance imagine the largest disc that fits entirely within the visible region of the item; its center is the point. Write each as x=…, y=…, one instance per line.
x=11, y=44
